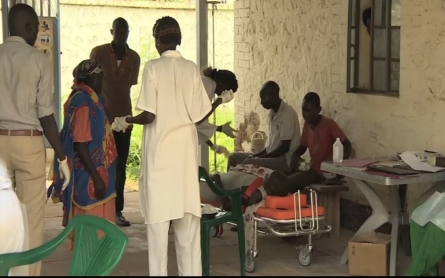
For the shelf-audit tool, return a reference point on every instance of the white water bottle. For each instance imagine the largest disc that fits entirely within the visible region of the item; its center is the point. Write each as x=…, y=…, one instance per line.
x=337, y=154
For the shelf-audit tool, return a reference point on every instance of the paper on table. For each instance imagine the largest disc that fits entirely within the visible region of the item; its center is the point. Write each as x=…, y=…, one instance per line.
x=411, y=159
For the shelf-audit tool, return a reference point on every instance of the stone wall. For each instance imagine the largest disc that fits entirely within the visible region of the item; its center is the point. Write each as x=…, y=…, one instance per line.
x=303, y=45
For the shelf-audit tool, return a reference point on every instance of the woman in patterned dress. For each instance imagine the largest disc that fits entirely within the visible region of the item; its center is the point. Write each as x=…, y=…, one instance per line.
x=90, y=147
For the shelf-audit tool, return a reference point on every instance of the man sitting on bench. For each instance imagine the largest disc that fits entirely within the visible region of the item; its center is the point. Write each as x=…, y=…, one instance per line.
x=319, y=135
x=284, y=133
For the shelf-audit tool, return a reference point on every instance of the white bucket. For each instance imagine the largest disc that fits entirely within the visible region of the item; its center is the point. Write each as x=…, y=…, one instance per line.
x=258, y=142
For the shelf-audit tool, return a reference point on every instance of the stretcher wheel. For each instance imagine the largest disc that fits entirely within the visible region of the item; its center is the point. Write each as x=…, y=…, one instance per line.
x=216, y=231
x=305, y=257
x=250, y=262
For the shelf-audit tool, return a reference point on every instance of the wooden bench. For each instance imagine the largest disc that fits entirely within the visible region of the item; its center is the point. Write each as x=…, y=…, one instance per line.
x=329, y=197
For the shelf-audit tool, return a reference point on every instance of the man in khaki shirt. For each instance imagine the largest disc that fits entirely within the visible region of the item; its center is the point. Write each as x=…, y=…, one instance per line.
x=120, y=65
x=26, y=112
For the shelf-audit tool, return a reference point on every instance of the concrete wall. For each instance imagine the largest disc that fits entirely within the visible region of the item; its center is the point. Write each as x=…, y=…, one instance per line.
x=302, y=45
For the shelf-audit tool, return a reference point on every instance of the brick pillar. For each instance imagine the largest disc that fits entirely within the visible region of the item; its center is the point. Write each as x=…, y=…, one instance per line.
x=241, y=56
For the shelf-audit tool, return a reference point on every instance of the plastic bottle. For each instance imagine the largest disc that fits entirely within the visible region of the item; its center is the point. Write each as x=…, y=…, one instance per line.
x=337, y=151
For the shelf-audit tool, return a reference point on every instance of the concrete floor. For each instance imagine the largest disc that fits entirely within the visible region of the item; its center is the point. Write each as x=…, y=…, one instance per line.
x=276, y=257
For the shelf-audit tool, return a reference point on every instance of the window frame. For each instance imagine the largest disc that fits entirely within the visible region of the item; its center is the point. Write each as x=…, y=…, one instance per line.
x=354, y=24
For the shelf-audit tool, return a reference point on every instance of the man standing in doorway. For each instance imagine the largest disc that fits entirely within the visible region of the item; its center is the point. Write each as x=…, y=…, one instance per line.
x=26, y=113
x=120, y=66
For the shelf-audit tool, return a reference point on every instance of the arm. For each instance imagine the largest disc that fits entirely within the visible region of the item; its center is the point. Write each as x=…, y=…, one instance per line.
x=347, y=148
x=45, y=109
x=261, y=153
x=144, y=118
x=215, y=105
x=51, y=132
x=300, y=151
x=135, y=74
x=287, y=133
x=296, y=156
x=85, y=158
x=201, y=108
x=281, y=150
x=147, y=101
x=82, y=136
x=209, y=143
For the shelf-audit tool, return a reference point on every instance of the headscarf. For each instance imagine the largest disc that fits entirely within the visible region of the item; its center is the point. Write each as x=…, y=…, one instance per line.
x=86, y=68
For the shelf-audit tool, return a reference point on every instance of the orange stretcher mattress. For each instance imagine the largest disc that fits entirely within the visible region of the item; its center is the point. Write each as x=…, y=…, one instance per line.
x=287, y=202
x=287, y=214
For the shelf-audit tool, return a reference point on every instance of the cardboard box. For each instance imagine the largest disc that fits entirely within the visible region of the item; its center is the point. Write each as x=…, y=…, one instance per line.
x=369, y=255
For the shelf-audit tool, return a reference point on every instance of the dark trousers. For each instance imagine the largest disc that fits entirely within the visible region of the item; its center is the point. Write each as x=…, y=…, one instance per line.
x=123, y=148
x=298, y=181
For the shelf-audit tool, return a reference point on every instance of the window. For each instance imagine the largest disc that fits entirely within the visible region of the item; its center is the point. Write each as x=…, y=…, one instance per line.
x=374, y=47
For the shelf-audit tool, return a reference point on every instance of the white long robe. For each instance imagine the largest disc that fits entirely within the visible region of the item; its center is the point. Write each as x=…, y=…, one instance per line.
x=172, y=90
x=206, y=129
x=14, y=236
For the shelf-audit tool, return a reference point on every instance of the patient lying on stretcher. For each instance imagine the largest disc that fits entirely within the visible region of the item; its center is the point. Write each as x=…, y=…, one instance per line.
x=256, y=183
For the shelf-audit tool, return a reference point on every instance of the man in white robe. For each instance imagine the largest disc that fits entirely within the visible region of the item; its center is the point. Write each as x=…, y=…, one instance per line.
x=173, y=100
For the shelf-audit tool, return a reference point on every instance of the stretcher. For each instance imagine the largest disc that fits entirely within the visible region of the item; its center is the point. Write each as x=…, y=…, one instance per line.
x=285, y=217
x=289, y=216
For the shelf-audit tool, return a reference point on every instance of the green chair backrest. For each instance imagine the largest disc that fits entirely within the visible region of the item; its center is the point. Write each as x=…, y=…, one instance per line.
x=234, y=194
x=93, y=256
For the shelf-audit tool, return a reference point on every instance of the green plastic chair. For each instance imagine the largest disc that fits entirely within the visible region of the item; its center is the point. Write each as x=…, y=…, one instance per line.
x=236, y=215
x=92, y=256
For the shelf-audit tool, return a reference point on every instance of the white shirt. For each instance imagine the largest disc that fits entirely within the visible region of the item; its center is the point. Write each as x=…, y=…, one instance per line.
x=172, y=90
x=283, y=126
x=206, y=129
x=26, y=85
x=13, y=222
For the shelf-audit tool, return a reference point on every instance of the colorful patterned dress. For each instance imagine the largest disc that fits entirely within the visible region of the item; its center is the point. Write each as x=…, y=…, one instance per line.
x=85, y=121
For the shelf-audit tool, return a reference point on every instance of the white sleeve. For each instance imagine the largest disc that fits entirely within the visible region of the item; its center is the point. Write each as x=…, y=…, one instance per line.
x=148, y=98
x=201, y=105
x=205, y=131
x=45, y=92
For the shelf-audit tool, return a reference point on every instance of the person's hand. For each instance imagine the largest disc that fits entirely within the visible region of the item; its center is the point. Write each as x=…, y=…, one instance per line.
x=99, y=188
x=64, y=173
x=228, y=130
x=226, y=96
x=120, y=124
x=295, y=162
x=220, y=150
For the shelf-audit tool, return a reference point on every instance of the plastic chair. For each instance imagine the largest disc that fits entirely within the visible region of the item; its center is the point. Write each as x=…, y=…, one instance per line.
x=236, y=215
x=93, y=256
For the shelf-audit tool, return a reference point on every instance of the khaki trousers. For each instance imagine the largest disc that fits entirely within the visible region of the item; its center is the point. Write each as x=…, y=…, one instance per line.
x=25, y=158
